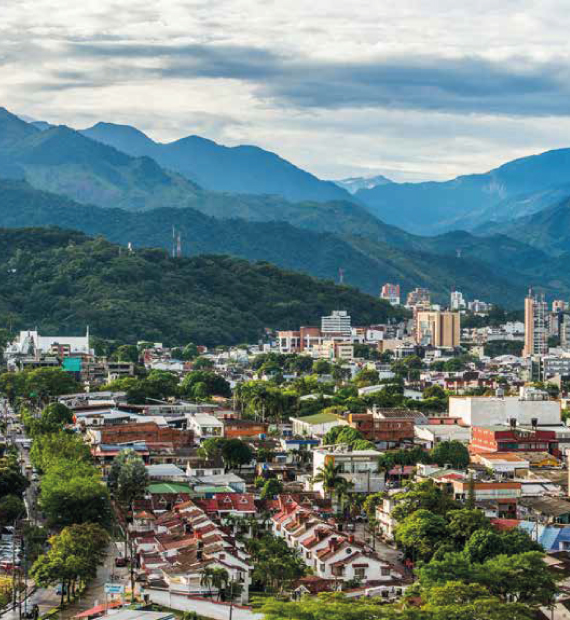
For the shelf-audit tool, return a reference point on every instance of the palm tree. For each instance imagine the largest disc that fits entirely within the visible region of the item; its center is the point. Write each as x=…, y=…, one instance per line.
x=207, y=579
x=220, y=578
x=329, y=475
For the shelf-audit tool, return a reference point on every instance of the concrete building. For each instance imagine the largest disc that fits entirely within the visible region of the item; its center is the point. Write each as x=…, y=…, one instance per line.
x=337, y=323
x=457, y=302
x=535, y=325
x=360, y=467
x=315, y=425
x=391, y=293
x=418, y=297
x=506, y=438
x=438, y=329
x=32, y=343
x=531, y=404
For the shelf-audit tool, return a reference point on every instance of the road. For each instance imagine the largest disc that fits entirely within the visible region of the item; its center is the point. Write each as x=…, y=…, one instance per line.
x=46, y=598
x=384, y=551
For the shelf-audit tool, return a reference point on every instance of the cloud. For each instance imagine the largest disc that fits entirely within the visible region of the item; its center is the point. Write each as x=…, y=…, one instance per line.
x=471, y=84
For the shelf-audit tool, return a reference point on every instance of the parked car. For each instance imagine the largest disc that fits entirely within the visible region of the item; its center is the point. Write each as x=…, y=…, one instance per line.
x=122, y=561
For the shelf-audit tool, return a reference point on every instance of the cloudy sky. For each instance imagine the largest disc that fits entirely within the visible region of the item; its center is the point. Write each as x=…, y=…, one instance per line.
x=415, y=89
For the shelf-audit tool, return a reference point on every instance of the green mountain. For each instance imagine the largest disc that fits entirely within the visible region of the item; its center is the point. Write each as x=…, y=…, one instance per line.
x=516, y=188
x=547, y=230
x=62, y=281
x=241, y=169
x=367, y=263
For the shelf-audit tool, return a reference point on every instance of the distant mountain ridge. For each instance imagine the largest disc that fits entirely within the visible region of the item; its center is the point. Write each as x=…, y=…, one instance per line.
x=367, y=263
x=519, y=187
x=354, y=184
x=240, y=169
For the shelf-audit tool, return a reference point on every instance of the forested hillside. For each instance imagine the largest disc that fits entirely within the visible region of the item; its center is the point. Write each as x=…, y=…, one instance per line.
x=62, y=281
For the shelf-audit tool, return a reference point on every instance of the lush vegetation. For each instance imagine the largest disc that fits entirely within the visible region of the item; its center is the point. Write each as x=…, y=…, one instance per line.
x=62, y=281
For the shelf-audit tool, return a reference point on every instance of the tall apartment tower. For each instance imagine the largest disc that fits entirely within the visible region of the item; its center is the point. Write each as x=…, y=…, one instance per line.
x=535, y=325
x=391, y=293
x=438, y=329
x=418, y=297
x=457, y=301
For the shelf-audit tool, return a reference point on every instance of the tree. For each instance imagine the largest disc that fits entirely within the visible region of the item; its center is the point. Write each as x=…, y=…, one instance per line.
x=190, y=351
x=127, y=353
x=329, y=476
x=215, y=385
x=367, y=377
x=485, y=544
x=424, y=495
x=12, y=481
x=51, y=420
x=45, y=383
x=211, y=448
x=74, y=555
x=523, y=577
x=322, y=367
x=48, y=450
x=11, y=507
x=236, y=453
x=452, y=453
x=420, y=533
x=203, y=363
x=72, y=493
x=271, y=488
x=128, y=478
x=462, y=524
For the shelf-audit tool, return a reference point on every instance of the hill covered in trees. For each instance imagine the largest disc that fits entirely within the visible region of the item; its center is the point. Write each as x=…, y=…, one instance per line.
x=367, y=262
x=62, y=281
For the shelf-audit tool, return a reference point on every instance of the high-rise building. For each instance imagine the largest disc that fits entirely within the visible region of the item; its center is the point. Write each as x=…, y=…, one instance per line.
x=457, y=301
x=418, y=297
x=559, y=305
x=337, y=323
x=535, y=325
x=438, y=329
x=391, y=293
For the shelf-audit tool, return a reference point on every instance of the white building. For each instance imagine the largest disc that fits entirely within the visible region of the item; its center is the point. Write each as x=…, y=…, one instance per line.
x=457, y=302
x=337, y=323
x=205, y=426
x=316, y=425
x=31, y=343
x=359, y=467
x=530, y=405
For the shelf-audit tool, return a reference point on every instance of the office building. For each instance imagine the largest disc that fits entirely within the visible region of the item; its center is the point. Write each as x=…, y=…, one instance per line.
x=535, y=325
x=438, y=329
x=337, y=323
x=391, y=293
x=457, y=302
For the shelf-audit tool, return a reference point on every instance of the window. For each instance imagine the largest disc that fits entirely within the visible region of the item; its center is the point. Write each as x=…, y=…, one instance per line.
x=385, y=571
x=360, y=573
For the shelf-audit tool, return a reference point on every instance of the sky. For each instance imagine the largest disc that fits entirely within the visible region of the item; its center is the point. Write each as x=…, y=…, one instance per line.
x=413, y=89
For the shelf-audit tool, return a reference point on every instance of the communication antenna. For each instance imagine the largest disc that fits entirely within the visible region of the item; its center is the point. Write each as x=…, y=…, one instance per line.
x=458, y=252
x=179, y=245
x=341, y=275
x=173, y=241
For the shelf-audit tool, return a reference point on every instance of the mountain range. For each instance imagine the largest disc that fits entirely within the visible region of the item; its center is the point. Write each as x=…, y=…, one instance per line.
x=241, y=169
x=520, y=187
x=56, y=176
x=354, y=184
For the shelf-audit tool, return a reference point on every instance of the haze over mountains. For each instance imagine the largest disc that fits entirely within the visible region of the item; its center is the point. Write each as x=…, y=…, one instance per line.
x=114, y=181
x=246, y=169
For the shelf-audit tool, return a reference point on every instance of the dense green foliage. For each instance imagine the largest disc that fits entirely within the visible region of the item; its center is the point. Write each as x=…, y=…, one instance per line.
x=64, y=281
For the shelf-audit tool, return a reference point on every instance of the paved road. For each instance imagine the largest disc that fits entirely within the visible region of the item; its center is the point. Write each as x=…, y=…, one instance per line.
x=384, y=551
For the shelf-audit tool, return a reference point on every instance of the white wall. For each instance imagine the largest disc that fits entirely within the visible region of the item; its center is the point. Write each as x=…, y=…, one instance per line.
x=203, y=607
x=489, y=411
